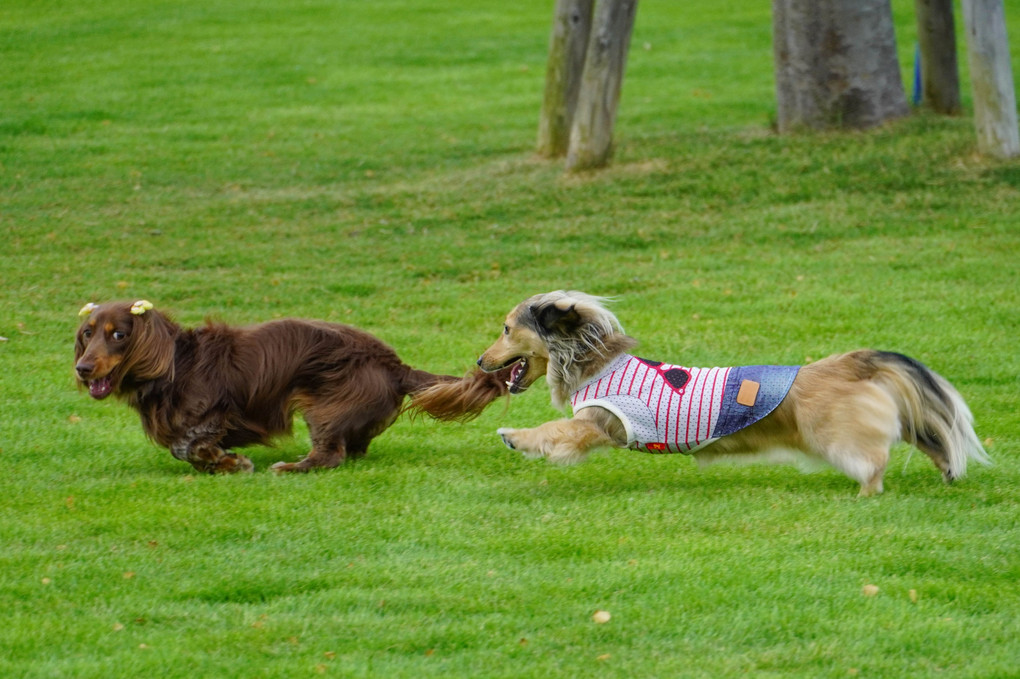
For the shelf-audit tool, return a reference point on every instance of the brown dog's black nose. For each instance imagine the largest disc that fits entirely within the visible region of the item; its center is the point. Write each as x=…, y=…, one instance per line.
x=479, y=361
x=84, y=369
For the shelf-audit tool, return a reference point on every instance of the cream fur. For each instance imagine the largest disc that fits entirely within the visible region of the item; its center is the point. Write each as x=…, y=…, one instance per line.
x=846, y=410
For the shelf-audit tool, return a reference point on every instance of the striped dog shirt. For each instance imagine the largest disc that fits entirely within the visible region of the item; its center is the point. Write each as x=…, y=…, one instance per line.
x=668, y=408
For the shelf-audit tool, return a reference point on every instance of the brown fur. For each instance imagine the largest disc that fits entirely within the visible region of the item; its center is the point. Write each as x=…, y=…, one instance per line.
x=845, y=410
x=201, y=392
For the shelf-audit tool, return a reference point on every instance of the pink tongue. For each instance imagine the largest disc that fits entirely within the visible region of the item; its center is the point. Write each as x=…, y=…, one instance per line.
x=100, y=388
x=515, y=372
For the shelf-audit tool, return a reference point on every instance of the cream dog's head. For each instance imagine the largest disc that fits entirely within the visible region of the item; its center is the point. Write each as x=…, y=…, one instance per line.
x=555, y=334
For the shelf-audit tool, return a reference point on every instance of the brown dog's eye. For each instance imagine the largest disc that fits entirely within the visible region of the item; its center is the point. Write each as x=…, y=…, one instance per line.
x=86, y=334
x=119, y=336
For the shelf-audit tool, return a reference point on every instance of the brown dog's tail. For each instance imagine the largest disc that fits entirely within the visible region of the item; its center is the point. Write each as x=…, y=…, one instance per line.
x=453, y=399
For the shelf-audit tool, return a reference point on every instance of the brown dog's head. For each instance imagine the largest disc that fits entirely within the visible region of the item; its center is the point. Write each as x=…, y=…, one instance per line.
x=560, y=327
x=120, y=345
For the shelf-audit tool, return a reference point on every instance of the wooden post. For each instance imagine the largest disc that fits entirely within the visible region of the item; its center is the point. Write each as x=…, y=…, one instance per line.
x=940, y=78
x=991, y=78
x=567, y=45
x=591, y=134
x=836, y=64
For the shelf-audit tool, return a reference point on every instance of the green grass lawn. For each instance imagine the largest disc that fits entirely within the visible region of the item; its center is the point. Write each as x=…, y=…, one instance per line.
x=371, y=163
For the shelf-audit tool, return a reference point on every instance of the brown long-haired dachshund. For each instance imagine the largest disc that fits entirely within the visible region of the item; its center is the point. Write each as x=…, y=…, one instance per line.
x=201, y=392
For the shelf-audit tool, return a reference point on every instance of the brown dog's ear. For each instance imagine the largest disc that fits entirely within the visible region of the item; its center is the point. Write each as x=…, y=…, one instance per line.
x=152, y=346
x=551, y=319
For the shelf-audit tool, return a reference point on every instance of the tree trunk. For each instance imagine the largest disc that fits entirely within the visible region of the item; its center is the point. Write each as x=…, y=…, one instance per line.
x=567, y=45
x=836, y=64
x=591, y=134
x=991, y=77
x=940, y=80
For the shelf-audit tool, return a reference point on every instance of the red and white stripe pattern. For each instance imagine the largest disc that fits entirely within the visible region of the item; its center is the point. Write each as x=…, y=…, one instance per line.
x=676, y=420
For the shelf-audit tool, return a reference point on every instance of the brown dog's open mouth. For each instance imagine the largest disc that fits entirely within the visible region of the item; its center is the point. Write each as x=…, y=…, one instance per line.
x=101, y=388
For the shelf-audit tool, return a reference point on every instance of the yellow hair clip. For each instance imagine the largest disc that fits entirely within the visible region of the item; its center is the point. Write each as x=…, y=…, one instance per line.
x=87, y=309
x=140, y=307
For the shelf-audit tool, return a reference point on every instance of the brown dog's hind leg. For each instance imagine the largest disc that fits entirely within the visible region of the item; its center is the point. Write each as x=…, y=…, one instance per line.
x=341, y=435
x=328, y=450
x=317, y=458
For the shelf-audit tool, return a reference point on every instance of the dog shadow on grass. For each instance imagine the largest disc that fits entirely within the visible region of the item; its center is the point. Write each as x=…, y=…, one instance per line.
x=611, y=475
x=620, y=478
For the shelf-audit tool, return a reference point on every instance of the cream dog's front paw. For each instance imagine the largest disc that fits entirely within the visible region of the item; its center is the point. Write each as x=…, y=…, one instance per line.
x=507, y=436
x=517, y=439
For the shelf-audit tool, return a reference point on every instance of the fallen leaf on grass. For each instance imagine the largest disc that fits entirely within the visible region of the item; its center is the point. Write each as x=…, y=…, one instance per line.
x=869, y=590
x=601, y=617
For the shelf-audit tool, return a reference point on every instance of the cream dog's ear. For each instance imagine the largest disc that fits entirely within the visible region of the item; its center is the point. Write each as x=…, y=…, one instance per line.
x=551, y=319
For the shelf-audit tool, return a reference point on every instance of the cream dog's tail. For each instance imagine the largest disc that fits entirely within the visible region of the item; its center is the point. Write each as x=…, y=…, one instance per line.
x=933, y=415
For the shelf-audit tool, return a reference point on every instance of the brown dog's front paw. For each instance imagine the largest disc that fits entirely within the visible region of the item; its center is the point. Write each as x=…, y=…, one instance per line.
x=244, y=464
x=232, y=463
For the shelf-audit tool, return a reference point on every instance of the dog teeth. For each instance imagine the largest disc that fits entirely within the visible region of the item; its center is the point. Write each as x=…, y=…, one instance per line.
x=509, y=383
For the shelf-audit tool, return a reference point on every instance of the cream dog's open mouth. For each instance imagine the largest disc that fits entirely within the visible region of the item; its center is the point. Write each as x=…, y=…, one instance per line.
x=517, y=373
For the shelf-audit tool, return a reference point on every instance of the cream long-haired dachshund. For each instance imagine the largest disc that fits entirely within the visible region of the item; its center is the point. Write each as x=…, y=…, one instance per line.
x=845, y=410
